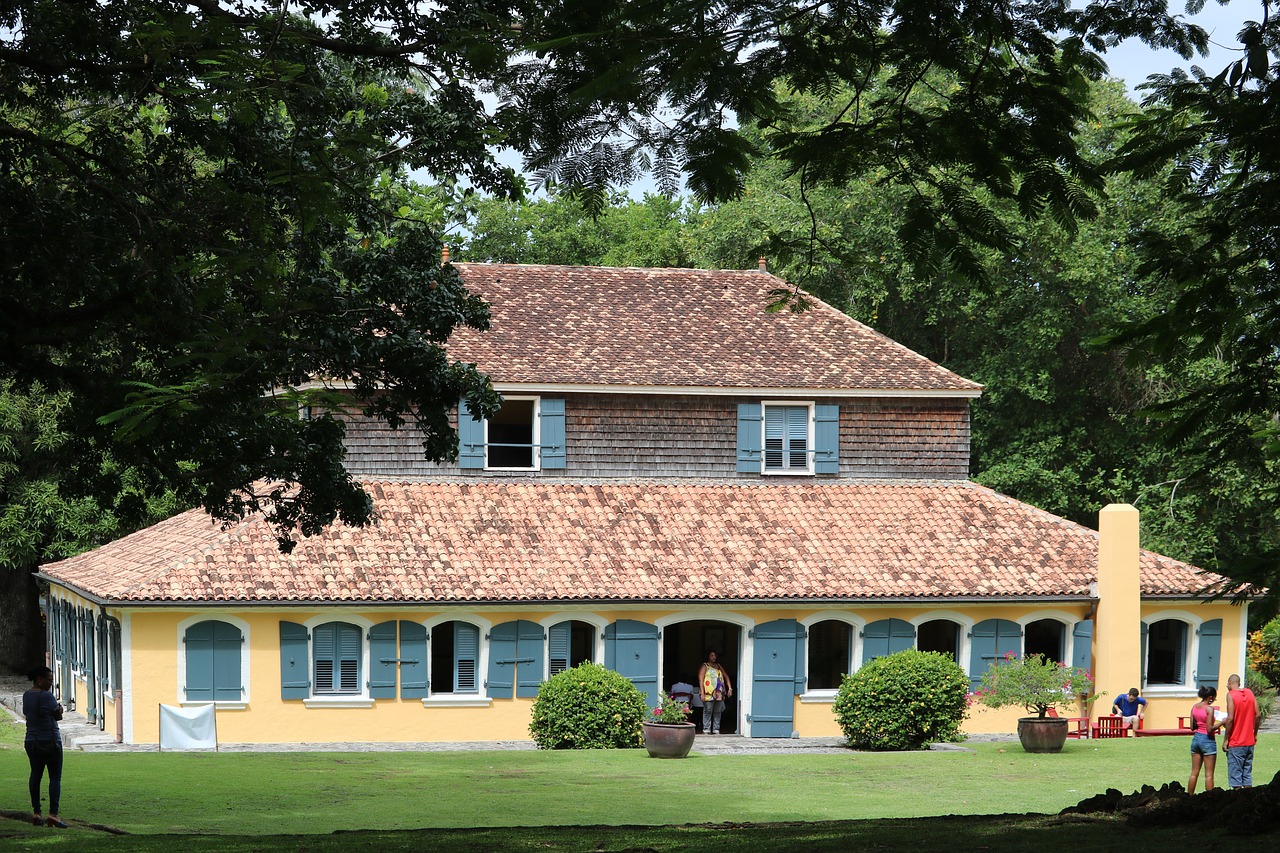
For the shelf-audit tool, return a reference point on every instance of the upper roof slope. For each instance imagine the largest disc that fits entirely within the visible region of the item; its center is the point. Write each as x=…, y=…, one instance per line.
x=677, y=328
x=544, y=541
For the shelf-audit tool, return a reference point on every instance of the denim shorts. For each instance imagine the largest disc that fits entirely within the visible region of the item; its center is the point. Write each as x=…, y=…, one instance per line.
x=1202, y=744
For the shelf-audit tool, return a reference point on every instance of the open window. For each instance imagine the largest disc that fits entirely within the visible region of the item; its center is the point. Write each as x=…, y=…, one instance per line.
x=830, y=654
x=526, y=434
x=455, y=658
x=941, y=636
x=1046, y=637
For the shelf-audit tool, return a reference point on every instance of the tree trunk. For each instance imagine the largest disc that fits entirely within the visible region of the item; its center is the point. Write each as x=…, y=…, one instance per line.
x=22, y=637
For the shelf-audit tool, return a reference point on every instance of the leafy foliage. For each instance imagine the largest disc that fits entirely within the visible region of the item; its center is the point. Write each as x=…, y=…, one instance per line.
x=1033, y=682
x=588, y=707
x=207, y=209
x=1264, y=651
x=669, y=710
x=902, y=701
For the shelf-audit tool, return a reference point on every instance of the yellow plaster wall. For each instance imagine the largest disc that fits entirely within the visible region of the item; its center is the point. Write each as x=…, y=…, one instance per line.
x=154, y=645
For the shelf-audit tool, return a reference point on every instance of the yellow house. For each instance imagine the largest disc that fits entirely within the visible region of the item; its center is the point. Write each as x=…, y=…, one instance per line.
x=674, y=469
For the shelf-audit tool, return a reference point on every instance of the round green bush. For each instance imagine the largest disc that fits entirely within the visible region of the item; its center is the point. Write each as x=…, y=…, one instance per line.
x=588, y=707
x=903, y=701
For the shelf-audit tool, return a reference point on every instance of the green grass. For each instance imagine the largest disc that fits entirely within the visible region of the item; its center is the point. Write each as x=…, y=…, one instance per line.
x=303, y=798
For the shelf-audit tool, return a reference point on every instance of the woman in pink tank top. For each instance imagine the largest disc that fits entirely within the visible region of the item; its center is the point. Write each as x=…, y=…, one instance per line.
x=1204, y=749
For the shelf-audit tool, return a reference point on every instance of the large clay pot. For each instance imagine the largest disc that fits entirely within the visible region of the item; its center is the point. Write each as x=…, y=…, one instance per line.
x=1042, y=734
x=668, y=740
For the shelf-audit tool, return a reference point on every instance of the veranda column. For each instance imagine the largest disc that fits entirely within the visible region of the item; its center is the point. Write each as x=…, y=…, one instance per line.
x=1117, y=644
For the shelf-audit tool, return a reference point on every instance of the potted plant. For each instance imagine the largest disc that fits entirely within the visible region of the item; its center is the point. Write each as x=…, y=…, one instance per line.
x=668, y=732
x=1037, y=684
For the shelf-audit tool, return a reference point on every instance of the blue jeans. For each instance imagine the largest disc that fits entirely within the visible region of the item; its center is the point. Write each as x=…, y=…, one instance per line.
x=1203, y=744
x=1240, y=766
x=42, y=754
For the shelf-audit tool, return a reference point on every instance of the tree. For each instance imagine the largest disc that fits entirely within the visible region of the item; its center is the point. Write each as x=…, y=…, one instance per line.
x=207, y=209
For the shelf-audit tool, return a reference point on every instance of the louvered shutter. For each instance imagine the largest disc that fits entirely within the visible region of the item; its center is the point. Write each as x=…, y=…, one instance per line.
x=551, y=433
x=1143, y=630
x=324, y=645
x=470, y=438
x=348, y=637
x=383, y=660
x=294, y=680
x=991, y=640
x=466, y=656
x=413, y=660
x=826, y=439
x=749, y=438
x=558, y=637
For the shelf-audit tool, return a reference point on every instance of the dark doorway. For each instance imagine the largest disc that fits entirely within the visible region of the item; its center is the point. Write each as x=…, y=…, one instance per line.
x=684, y=648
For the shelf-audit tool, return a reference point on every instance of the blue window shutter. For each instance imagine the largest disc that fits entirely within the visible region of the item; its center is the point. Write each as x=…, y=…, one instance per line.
x=295, y=681
x=529, y=650
x=875, y=641
x=349, y=647
x=227, y=682
x=631, y=650
x=324, y=657
x=470, y=438
x=992, y=639
x=1082, y=644
x=198, y=647
x=1208, y=662
x=902, y=636
x=466, y=657
x=502, y=661
x=773, y=680
x=826, y=439
x=413, y=660
x=551, y=433
x=558, y=646
x=749, y=438
x=382, y=661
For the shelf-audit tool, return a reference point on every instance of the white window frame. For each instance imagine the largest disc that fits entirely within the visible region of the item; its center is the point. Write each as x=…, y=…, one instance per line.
x=245, y=681
x=339, y=700
x=1187, y=687
x=536, y=450
x=856, y=625
x=480, y=698
x=809, y=453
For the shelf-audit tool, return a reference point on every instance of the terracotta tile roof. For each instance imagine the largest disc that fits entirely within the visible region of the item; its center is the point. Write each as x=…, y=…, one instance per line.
x=676, y=327
x=532, y=541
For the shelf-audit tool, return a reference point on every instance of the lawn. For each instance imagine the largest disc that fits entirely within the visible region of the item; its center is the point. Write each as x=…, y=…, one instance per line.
x=306, y=797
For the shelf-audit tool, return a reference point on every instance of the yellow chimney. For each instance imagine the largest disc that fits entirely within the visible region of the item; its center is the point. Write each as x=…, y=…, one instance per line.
x=1117, y=643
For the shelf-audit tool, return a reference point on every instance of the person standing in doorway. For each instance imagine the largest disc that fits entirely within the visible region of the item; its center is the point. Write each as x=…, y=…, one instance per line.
x=43, y=743
x=1242, y=733
x=714, y=686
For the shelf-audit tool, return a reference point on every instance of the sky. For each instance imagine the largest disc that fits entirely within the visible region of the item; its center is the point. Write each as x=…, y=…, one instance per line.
x=1133, y=61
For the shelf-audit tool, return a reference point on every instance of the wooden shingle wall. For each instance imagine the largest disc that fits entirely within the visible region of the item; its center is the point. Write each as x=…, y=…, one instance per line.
x=623, y=435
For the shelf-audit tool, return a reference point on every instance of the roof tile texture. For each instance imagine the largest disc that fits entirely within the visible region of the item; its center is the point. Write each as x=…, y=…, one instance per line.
x=534, y=541
x=676, y=328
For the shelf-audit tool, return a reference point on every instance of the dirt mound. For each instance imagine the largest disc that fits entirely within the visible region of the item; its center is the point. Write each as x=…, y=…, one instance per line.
x=1248, y=811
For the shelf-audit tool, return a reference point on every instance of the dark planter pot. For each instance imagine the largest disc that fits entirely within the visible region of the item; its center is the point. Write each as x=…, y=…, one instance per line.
x=1042, y=734
x=668, y=740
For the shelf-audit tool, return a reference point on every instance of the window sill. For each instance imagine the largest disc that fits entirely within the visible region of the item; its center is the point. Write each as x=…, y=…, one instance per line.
x=456, y=701
x=773, y=473
x=1170, y=691
x=338, y=702
x=221, y=706
x=818, y=697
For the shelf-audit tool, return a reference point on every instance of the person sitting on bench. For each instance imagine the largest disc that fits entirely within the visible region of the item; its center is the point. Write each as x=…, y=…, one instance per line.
x=1131, y=706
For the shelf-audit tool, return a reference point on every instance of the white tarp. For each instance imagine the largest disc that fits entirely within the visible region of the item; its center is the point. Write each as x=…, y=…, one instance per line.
x=193, y=727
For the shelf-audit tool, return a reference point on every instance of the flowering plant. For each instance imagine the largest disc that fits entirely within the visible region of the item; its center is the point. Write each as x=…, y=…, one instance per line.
x=669, y=710
x=1034, y=682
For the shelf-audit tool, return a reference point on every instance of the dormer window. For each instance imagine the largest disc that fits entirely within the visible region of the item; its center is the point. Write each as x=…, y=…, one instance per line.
x=526, y=434
x=788, y=438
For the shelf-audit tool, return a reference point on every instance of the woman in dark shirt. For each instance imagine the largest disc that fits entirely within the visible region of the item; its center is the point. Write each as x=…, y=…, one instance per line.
x=43, y=743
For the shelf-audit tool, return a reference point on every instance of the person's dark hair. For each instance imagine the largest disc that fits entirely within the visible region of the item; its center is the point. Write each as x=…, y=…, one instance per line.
x=39, y=671
x=1133, y=691
x=1207, y=692
x=711, y=652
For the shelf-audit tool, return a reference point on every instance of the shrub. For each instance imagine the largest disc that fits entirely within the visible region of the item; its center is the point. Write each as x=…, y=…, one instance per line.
x=1263, y=690
x=588, y=707
x=1264, y=651
x=902, y=701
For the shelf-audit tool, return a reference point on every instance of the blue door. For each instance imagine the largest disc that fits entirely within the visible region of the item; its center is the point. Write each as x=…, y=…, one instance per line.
x=631, y=650
x=778, y=677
